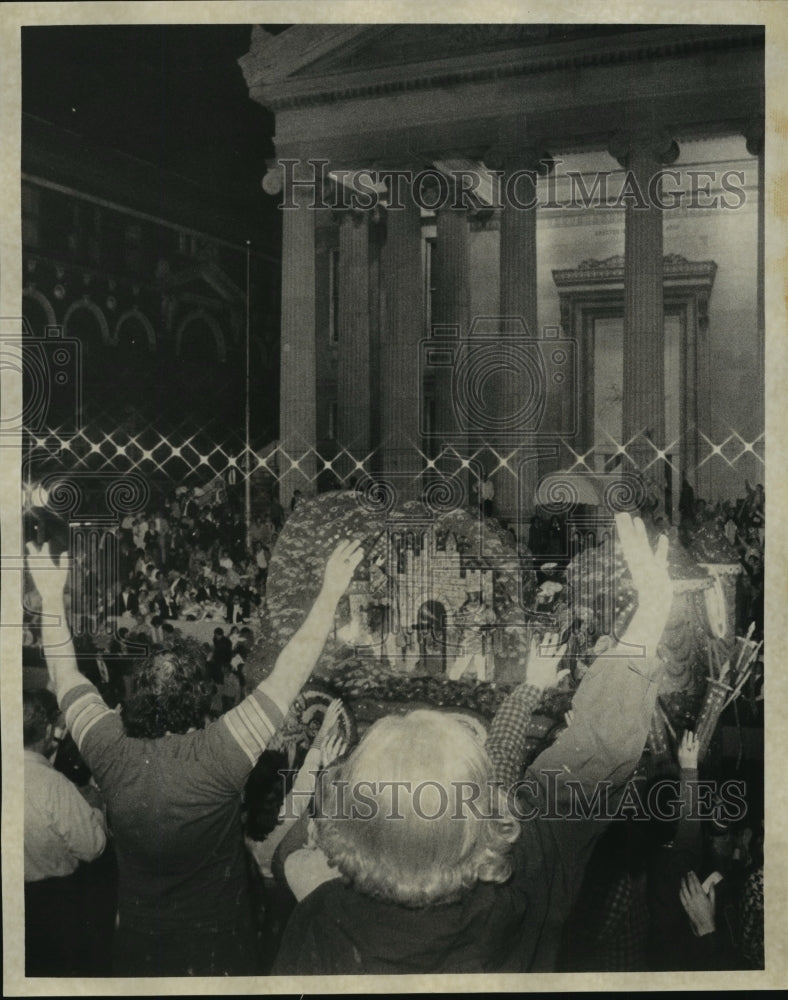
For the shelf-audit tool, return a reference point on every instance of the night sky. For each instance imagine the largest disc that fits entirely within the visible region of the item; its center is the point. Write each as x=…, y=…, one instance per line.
x=173, y=95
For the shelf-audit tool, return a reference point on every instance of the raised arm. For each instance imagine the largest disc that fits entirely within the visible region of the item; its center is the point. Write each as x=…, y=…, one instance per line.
x=297, y=660
x=615, y=701
x=506, y=740
x=253, y=723
x=688, y=838
x=50, y=576
x=611, y=714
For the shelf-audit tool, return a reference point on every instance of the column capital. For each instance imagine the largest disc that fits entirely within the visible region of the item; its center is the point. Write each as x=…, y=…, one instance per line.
x=273, y=179
x=657, y=144
x=461, y=185
x=300, y=180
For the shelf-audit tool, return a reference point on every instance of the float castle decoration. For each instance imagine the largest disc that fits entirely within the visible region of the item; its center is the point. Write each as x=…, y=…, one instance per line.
x=429, y=603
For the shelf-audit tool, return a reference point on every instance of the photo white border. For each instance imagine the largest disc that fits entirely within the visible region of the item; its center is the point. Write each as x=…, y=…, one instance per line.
x=774, y=16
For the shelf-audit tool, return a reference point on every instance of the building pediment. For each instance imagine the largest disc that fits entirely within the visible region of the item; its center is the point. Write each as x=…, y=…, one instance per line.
x=309, y=64
x=274, y=59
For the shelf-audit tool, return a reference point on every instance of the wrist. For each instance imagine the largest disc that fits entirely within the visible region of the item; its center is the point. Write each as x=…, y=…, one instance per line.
x=645, y=630
x=529, y=690
x=53, y=614
x=51, y=603
x=329, y=596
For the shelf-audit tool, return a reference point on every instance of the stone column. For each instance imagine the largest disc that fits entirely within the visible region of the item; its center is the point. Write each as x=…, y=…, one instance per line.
x=297, y=406
x=401, y=330
x=518, y=244
x=644, y=336
x=517, y=263
x=450, y=309
x=353, y=375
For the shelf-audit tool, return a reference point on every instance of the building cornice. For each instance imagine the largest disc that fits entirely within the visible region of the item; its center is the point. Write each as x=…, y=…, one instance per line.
x=276, y=70
x=611, y=271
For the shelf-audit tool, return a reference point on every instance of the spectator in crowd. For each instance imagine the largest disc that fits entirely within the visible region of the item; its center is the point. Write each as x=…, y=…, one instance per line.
x=752, y=920
x=261, y=563
x=172, y=784
x=62, y=830
x=485, y=889
x=162, y=526
x=222, y=648
x=127, y=601
x=138, y=532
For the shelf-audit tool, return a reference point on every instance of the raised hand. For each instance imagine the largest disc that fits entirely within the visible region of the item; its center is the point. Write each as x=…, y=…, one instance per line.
x=331, y=718
x=649, y=568
x=688, y=752
x=698, y=906
x=333, y=747
x=340, y=567
x=49, y=575
x=544, y=659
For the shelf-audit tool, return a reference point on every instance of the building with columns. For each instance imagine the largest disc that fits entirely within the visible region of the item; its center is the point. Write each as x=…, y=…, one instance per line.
x=513, y=249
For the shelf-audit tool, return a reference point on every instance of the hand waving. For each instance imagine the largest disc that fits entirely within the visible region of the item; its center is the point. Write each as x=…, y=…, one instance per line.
x=544, y=660
x=688, y=752
x=697, y=905
x=649, y=568
x=331, y=718
x=49, y=575
x=340, y=567
x=333, y=747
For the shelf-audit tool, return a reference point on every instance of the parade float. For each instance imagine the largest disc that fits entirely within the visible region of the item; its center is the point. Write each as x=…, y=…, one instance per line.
x=442, y=611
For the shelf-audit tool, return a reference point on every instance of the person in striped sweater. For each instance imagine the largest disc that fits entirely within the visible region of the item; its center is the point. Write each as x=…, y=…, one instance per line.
x=172, y=784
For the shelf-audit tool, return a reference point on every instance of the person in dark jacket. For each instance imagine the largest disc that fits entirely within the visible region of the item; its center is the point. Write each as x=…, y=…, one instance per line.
x=456, y=876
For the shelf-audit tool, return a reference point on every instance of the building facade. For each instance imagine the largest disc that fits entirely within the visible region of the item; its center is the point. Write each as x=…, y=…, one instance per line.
x=523, y=248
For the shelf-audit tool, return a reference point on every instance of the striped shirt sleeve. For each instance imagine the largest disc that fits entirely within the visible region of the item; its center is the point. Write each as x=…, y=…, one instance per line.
x=83, y=707
x=253, y=723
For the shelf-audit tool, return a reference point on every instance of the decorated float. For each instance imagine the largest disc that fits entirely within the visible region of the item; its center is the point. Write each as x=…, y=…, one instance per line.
x=442, y=611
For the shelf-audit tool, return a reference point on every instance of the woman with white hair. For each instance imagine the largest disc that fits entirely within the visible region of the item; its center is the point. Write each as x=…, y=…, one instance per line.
x=429, y=852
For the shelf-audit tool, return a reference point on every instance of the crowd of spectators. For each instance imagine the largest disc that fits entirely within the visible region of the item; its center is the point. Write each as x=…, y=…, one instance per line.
x=728, y=531
x=739, y=527
x=487, y=891
x=192, y=559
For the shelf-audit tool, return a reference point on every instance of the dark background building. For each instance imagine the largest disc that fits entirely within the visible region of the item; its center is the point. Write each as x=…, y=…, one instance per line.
x=142, y=156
